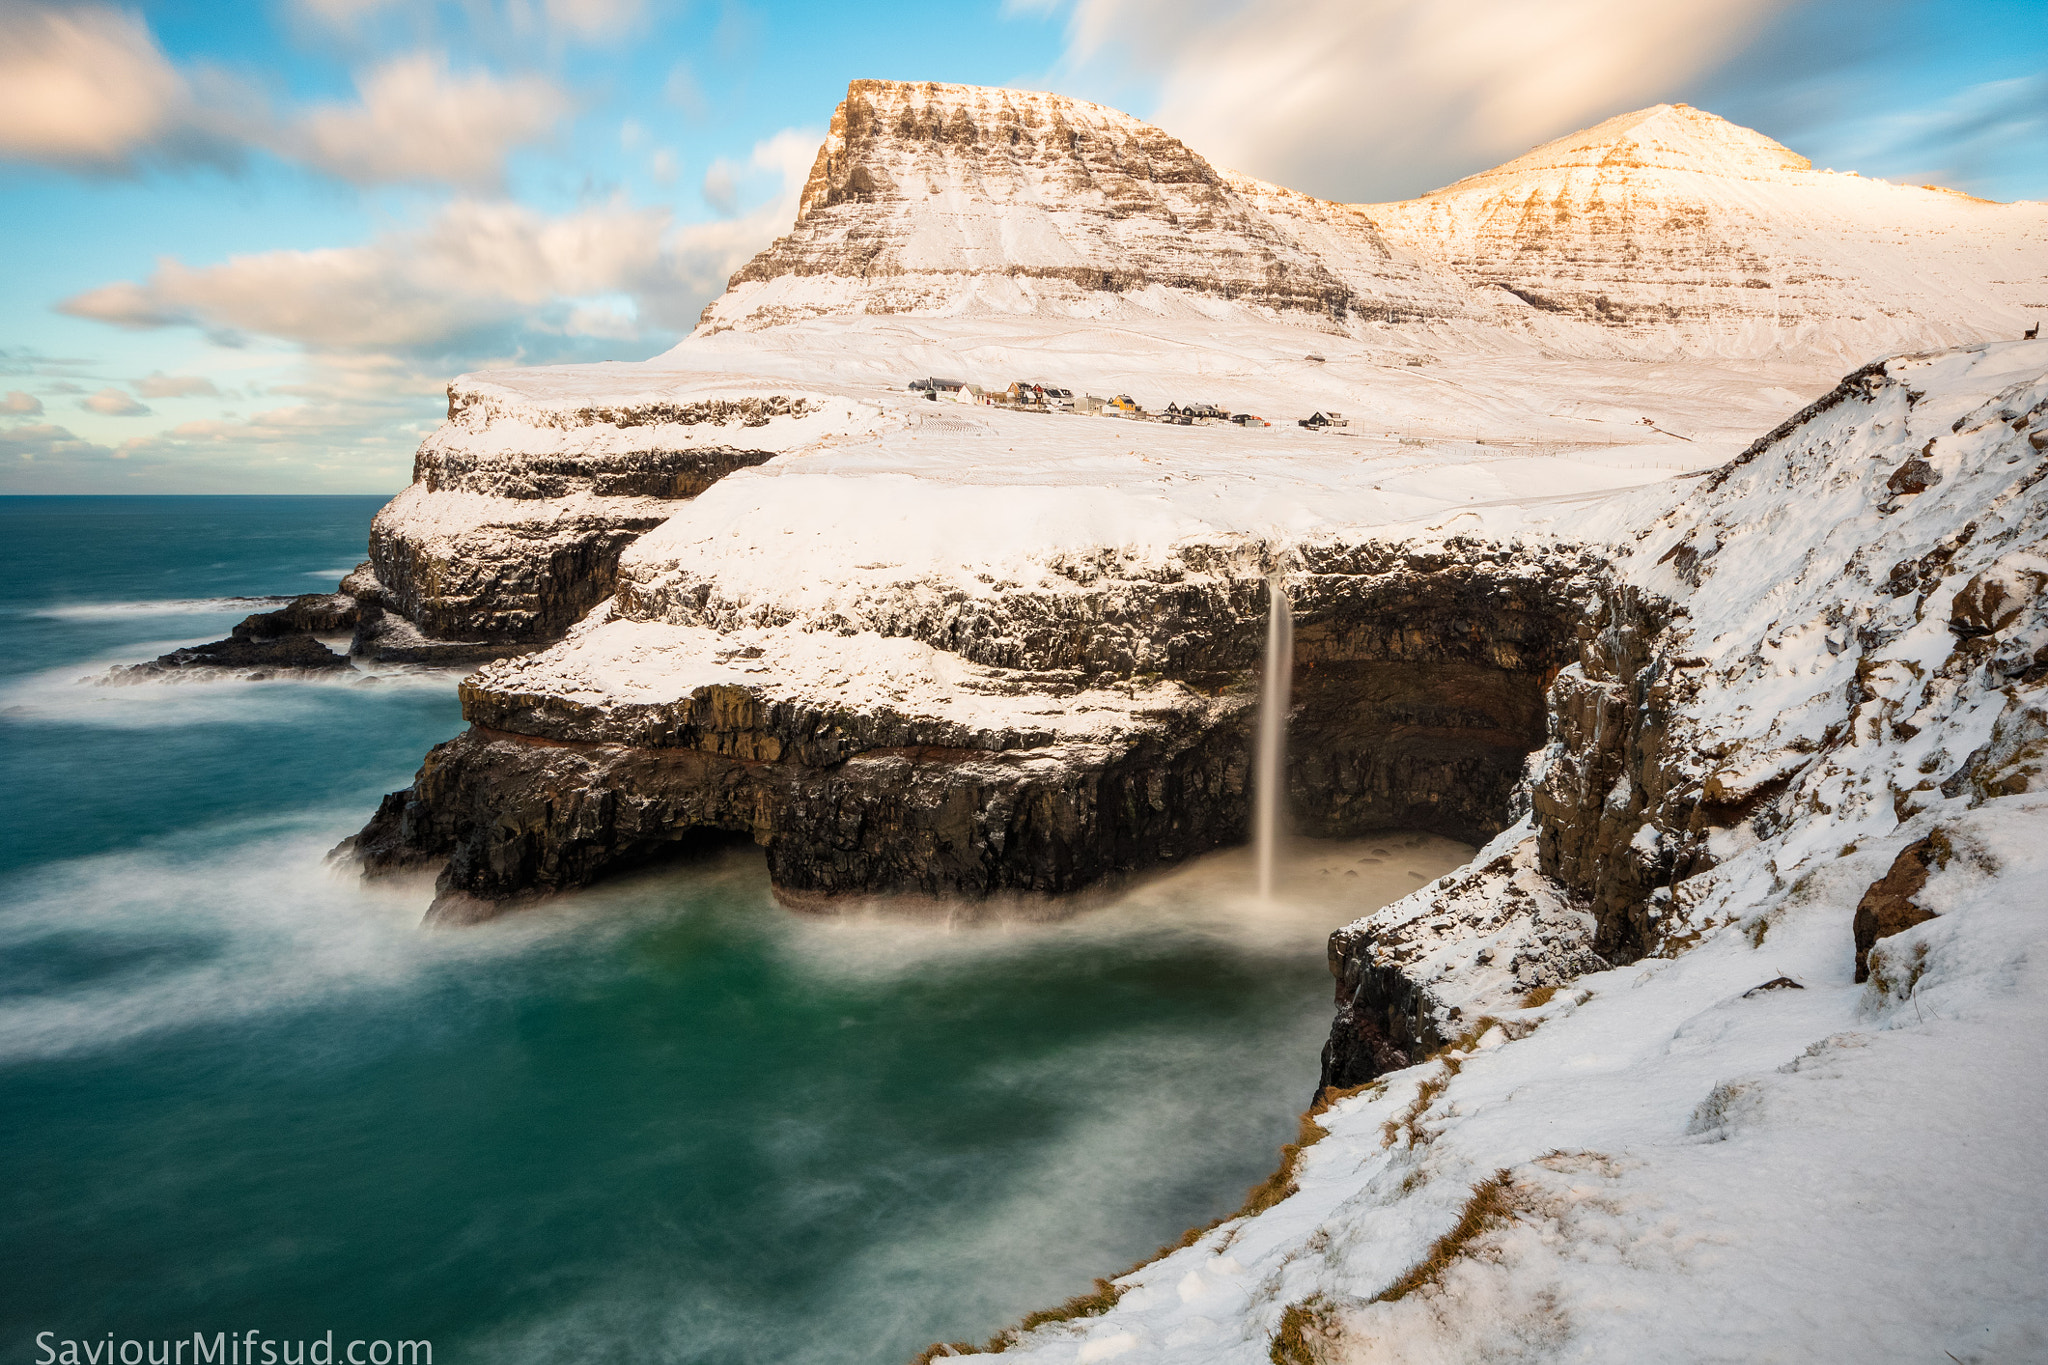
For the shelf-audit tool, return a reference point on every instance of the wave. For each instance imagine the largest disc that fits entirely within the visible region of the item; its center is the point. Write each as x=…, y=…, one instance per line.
x=81, y=694
x=166, y=606
x=228, y=924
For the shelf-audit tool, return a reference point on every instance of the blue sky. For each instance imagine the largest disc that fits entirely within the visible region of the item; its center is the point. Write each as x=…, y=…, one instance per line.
x=250, y=243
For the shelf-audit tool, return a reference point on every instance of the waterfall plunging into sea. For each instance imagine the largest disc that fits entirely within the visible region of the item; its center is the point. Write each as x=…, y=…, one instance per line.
x=1269, y=779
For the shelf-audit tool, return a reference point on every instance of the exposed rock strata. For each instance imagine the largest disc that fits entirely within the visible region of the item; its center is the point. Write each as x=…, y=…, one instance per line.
x=926, y=196
x=1420, y=673
x=265, y=642
x=1889, y=624
x=517, y=515
x=1670, y=222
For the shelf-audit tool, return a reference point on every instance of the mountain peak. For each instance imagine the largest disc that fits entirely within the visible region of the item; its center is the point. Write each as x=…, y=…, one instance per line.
x=1672, y=137
x=939, y=198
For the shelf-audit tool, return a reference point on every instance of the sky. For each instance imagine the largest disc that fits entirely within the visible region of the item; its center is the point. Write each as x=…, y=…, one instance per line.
x=247, y=245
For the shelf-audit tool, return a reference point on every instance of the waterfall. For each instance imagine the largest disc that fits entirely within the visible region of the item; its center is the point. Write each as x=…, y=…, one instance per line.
x=1270, y=779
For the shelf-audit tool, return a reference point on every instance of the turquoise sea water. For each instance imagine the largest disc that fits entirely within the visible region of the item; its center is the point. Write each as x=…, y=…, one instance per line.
x=663, y=1120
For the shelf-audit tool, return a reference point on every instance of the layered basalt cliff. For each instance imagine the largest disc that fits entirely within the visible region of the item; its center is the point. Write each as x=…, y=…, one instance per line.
x=1120, y=740
x=518, y=512
x=925, y=197
x=1660, y=231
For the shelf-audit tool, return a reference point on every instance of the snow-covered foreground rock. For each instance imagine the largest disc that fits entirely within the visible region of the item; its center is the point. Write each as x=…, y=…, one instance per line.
x=1732, y=1148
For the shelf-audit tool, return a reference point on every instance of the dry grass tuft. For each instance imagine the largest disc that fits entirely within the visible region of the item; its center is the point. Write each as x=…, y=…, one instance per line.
x=1539, y=997
x=943, y=1350
x=1405, y=1122
x=1307, y=1331
x=1090, y=1305
x=1450, y=1058
x=1281, y=1184
x=1491, y=1205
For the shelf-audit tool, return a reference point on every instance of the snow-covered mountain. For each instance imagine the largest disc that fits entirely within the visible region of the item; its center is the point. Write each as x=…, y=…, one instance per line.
x=1664, y=231
x=938, y=198
x=1674, y=227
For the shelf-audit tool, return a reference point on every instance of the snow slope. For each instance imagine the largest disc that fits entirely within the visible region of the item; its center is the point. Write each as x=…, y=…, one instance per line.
x=1731, y=1150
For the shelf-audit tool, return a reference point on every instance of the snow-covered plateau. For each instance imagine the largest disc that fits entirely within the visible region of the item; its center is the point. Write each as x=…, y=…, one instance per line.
x=1726, y=1046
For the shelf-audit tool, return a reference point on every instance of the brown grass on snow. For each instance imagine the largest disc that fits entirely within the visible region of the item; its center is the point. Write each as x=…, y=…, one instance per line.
x=1491, y=1205
x=1307, y=1330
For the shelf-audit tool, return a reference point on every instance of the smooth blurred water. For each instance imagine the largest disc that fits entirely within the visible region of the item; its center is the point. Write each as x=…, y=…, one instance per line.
x=661, y=1120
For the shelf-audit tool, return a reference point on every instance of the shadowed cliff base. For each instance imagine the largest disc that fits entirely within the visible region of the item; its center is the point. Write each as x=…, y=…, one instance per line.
x=1420, y=682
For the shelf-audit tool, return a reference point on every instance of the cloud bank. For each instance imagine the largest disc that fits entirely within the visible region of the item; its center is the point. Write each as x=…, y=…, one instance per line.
x=473, y=280
x=88, y=89
x=1366, y=100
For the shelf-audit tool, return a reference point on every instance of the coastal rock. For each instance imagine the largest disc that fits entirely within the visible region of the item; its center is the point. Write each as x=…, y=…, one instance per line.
x=267, y=654
x=265, y=642
x=1420, y=672
x=518, y=512
x=1888, y=907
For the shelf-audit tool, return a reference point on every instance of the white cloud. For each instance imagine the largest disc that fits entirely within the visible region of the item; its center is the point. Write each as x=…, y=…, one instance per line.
x=344, y=14
x=472, y=280
x=1977, y=138
x=1368, y=99
x=46, y=442
x=684, y=91
x=415, y=121
x=113, y=402
x=161, y=385
x=592, y=20
x=86, y=88
x=19, y=404
x=721, y=187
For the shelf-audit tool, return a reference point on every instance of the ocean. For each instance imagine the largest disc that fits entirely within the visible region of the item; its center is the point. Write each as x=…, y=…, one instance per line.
x=664, y=1119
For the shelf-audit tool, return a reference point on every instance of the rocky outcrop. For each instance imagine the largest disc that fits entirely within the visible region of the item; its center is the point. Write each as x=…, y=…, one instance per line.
x=282, y=640
x=519, y=510
x=1419, y=671
x=1877, y=625
x=1888, y=907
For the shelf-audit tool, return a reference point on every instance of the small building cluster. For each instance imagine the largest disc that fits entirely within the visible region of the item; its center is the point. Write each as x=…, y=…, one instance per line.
x=1032, y=395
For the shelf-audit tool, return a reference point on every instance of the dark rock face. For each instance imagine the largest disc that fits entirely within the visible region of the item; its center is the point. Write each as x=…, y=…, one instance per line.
x=266, y=641
x=312, y=614
x=516, y=815
x=1888, y=907
x=1613, y=777
x=1420, y=678
x=287, y=653
x=1419, y=685
x=520, y=585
